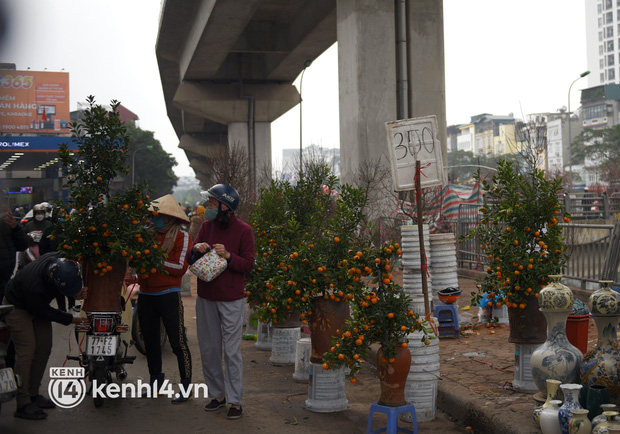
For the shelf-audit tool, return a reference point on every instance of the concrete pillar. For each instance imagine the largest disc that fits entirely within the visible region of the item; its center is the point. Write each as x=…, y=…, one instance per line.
x=367, y=74
x=238, y=136
x=366, y=62
x=427, y=77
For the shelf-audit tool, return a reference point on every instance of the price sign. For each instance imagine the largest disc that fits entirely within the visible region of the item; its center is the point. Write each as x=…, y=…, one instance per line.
x=410, y=140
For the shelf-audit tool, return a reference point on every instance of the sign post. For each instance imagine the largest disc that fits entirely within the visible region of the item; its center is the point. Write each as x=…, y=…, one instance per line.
x=412, y=142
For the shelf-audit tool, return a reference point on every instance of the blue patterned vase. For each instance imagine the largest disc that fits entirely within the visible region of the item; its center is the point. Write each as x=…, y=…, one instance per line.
x=604, y=301
x=571, y=393
x=600, y=366
x=556, y=358
x=556, y=296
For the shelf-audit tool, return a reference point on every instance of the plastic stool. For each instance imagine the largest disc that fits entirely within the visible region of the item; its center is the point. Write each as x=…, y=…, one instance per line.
x=448, y=319
x=392, y=418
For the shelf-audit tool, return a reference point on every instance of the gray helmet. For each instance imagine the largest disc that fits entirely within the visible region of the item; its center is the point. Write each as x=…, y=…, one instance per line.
x=225, y=194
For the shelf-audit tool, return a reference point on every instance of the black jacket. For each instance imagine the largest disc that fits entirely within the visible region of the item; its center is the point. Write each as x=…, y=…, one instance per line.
x=31, y=291
x=11, y=241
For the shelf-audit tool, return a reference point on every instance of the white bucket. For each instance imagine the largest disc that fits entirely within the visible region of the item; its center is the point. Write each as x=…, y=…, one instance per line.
x=523, y=381
x=501, y=313
x=421, y=387
x=326, y=389
x=302, y=360
x=284, y=345
x=264, y=336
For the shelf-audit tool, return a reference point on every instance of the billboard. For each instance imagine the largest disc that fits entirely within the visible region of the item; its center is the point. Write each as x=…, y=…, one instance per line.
x=34, y=102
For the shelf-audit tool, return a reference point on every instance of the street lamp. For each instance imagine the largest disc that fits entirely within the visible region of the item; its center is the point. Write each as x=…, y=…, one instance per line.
x=570, y=139
x=301, y=80
x=133, y=162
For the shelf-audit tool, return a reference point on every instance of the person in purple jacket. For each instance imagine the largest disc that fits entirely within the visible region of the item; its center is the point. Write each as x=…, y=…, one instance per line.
x=220, y=302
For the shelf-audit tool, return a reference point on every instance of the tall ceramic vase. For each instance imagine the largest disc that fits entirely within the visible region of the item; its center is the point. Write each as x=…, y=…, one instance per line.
x=600, y=366
x=556, y=358
x=393, y=377
x=571, y=402
x=327, y=317
x=552, y=390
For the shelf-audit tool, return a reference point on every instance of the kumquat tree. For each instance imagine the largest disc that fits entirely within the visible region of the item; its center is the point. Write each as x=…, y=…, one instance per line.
x=307, y=237
x=381, y=314
x=520, y=234
x=106, y=228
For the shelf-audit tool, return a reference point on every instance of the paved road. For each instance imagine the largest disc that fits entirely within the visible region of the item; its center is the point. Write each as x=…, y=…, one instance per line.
x=273, y=401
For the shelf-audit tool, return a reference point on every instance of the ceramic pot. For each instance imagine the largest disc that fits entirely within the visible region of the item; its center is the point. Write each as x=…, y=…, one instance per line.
x=557, y=358
x=604, y=301
x=579, y=422
x=602, y=428
x=556, y=296
x=571, y=394
x=327, y=317
x=104, y=292
x=291, y=320
x=527, y=326
x=393, y=377
x=549, y=420
x=552, y=390
x=597, y=395
x=600, y=366
x=601, y=417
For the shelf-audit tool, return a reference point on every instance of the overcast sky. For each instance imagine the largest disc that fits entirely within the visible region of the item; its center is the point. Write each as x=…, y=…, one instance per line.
x=501, y=57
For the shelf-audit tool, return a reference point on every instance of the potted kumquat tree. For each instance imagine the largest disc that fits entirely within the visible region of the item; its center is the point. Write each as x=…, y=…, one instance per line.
x=521, y=236
x=106, y=230
x=381, y=315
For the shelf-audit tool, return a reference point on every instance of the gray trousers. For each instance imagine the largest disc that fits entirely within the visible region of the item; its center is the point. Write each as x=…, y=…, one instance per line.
x=220, y=326
x=33, y=346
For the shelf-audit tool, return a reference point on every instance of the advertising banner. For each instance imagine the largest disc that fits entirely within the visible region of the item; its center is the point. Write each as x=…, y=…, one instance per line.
x=34, y=102
x=38, y=144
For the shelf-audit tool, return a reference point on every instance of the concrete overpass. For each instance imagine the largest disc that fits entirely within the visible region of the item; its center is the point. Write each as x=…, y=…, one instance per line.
x=227, y=68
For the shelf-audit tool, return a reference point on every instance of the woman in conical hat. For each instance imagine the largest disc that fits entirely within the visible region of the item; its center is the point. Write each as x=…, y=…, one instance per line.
x=160, y=294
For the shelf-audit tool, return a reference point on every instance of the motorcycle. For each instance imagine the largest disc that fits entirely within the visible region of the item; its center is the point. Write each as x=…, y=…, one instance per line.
x=133, y=289
x=8, y=380
x=106, y=349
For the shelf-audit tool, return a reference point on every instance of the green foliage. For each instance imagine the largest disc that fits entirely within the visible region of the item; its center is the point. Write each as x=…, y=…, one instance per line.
x=106, y=227
x=153, y=165
x=520, y=234
x=602, y=146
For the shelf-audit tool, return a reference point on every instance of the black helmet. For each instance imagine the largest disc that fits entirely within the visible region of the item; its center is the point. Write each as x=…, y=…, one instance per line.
x=225, y=194
x=66, y=276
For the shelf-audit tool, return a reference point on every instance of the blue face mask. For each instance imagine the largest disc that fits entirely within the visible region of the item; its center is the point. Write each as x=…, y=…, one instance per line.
x=211, y=214
x=158, y=221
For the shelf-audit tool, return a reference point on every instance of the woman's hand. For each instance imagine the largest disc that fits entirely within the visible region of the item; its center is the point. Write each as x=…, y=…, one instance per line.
x=201, y=247
x=220, y=249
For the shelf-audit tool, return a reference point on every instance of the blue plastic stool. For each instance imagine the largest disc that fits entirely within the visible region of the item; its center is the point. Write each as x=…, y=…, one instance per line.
x=392, y=418
x=448, y=319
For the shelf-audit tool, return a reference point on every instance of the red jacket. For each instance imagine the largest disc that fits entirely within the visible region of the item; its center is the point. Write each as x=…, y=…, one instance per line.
x=238, y=239
x=176, y=264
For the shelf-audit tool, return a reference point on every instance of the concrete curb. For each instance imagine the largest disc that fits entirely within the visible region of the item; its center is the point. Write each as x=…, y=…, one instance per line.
x=482, y=415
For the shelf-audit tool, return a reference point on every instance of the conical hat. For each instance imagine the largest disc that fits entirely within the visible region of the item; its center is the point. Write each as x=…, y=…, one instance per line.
x=168, y=205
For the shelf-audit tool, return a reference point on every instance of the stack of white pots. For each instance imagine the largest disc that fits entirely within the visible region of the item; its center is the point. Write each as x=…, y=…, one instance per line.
x=412, y=277
x=443, y=265
x=423, y=378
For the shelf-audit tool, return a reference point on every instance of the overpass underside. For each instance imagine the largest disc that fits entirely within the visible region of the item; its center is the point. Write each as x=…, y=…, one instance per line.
x=227, y=68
